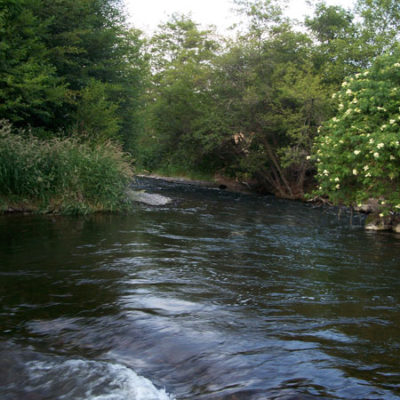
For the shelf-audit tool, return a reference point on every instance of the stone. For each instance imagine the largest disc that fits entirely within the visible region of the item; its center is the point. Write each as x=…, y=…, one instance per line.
x=376, y=223
x=150, y=199
x=396, y=228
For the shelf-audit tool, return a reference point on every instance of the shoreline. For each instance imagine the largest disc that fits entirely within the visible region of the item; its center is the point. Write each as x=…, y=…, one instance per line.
x=374, y=221
x=219, y=182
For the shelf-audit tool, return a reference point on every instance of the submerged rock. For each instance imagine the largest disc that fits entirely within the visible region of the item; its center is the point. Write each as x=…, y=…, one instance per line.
x=396, y=223
x=375, y=222
x=396, y=228
x=147, y=198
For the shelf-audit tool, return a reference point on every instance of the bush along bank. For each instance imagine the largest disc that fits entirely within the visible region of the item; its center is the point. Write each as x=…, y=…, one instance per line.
x=61, y=175
x=357, y=152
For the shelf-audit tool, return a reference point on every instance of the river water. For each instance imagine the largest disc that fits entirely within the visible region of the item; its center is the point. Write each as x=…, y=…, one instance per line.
x=214, y=296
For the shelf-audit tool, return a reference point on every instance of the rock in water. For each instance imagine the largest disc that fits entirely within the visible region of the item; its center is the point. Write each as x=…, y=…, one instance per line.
x=147, y=198
x=396, y=228
x=376, y=223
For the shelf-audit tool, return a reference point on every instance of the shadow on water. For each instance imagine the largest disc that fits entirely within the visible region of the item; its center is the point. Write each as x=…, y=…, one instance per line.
x=215, y=296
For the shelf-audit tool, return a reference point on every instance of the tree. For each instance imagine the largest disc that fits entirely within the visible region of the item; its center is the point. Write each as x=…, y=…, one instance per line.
x=349, y=40
x=380, y=22
x=30, y=89
x=54, y=51
x=271, y=101
x=89, y=39
x=180, y=95
x=249, y=109
x=96, y=116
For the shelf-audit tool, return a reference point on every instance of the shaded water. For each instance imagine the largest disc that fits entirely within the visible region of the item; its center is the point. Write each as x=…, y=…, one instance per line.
x=215, y=296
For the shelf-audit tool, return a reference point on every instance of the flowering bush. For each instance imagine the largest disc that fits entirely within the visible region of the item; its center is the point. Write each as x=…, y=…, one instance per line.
x=357, y=153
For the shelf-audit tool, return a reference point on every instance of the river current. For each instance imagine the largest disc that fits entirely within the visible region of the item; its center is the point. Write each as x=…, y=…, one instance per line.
x=214, y=296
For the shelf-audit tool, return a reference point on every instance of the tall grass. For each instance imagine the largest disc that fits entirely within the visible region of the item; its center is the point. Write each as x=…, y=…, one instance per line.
x=61, y=175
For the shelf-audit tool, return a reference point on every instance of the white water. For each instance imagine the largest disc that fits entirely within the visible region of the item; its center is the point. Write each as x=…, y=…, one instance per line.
x=92, y=380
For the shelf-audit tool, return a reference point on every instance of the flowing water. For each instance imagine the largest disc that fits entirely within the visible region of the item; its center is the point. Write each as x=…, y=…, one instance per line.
x=214, y=296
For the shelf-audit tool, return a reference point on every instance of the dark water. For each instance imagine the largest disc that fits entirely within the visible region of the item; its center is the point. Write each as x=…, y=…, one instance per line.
x=215, y=296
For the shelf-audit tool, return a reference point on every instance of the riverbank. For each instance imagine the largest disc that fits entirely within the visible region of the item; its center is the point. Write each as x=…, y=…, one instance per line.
x=61, y=175
x=374, y=221
x=60, y=204
x=216, y=182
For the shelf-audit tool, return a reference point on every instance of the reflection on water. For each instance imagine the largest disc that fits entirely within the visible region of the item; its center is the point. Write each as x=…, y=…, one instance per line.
x=215, y=296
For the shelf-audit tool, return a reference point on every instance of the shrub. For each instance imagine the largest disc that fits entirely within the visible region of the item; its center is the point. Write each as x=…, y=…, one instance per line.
x=62, y=175
x=358, y=152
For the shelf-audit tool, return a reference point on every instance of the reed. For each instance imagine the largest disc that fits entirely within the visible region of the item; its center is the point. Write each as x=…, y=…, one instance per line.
x=61, y=175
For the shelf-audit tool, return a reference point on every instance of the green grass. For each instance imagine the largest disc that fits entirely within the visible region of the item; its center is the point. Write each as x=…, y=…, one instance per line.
x=61, y=175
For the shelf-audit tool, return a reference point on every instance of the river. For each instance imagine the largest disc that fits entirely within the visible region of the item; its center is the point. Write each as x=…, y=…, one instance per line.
x=215, y=296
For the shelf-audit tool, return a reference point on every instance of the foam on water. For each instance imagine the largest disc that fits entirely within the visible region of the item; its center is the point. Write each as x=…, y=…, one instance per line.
x=92, y=380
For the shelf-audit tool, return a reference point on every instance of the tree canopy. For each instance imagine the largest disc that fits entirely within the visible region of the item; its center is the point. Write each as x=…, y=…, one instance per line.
x=55, y=55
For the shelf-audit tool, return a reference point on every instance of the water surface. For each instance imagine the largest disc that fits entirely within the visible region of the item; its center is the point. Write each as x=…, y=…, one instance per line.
x=215, y=296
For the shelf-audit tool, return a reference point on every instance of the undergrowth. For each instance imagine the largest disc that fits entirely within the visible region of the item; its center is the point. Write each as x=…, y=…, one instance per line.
x=61, y=175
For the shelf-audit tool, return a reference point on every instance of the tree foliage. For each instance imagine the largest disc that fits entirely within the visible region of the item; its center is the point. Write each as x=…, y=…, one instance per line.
x=53, y=53
x=248, y=108
x=179, y=97
x=349, y=40
x=30, y=89
x=267, y=91
x=358, y=151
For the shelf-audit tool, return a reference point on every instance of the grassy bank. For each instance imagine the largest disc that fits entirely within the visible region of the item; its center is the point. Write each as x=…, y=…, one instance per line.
x=61, y=175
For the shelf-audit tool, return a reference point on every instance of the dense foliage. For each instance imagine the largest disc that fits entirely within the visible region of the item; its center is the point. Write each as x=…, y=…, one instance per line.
x=358, y=151
x=60, y=175
x=70, y=66
x=250, y=107
x=179, y=99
